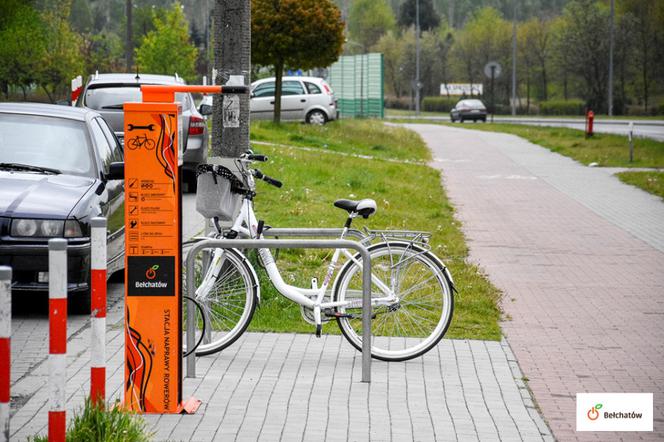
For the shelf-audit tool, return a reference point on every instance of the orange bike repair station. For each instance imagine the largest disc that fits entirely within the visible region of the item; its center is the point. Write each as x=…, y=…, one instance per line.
x=153, y=251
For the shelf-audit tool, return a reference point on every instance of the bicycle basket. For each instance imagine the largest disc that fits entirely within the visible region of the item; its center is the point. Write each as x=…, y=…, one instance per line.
x=219, y=192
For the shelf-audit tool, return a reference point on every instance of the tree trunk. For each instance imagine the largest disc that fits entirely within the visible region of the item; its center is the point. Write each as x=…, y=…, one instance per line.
x=528, y=93
x=25, y=94
x=545, y=84
x=48, y=94
x=129, y=44
x=278, y=74
x=232, y=57
x=565, y=85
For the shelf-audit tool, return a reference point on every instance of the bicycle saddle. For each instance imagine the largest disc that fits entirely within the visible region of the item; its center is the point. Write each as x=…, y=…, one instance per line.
x=365, y=207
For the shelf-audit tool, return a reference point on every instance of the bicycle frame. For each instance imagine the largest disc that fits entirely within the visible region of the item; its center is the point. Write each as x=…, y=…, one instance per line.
x=246, y=224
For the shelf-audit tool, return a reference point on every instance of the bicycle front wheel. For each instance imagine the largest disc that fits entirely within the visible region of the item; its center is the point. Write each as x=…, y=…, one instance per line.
x=227, y=292
x=415, y=312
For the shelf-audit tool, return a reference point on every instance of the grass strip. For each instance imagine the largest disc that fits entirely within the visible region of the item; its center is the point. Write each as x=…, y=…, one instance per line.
x=409, y=196
x=605, y=149
x=651, y=182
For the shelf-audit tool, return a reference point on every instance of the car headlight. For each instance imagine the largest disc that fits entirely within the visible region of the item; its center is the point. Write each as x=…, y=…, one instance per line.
x=45, y=228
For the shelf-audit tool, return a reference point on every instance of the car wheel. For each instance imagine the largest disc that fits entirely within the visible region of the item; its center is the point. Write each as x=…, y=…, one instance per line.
x=453, y=120
x=461, y=120
x=316, y=117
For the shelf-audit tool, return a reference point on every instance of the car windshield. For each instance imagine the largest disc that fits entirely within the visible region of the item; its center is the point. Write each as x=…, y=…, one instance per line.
x=110, y=97
x=49, y=142
x=473, y=104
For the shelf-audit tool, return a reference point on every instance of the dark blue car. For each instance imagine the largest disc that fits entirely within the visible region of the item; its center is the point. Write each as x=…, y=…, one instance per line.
x=55, y=177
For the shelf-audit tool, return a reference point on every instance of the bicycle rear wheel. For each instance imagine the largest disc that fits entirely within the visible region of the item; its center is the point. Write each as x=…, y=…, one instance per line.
x=419, y=316
x=227, y=292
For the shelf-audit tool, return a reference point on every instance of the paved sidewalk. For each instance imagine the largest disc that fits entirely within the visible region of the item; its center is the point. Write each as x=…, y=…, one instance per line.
x=295, y=387
x=580, y=259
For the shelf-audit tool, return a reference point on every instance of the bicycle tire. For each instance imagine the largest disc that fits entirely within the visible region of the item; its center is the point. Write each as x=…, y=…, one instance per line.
x=203, y=329
x=149, y=144
x=229, y=303
x=416, y=275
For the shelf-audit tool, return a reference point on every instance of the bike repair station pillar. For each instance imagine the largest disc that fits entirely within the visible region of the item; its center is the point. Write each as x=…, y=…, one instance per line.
x=153, y=249
x=153, y=299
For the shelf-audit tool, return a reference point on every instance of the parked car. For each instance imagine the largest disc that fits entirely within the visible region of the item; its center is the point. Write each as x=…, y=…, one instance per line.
x=106, y=93
x=468, y=110
x=308, y=99
x=55, y=176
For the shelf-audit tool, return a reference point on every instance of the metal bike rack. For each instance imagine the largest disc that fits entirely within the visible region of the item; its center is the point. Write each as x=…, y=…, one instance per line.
x=284, y=244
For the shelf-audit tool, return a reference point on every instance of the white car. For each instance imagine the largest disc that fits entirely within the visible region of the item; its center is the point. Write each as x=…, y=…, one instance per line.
x=308, y=99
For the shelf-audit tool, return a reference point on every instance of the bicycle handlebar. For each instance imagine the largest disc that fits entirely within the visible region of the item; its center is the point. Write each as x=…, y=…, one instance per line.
x=256, y=157
x=261, y=176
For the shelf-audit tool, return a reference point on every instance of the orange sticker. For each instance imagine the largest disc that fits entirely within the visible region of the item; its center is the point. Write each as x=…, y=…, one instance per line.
x=152, y=264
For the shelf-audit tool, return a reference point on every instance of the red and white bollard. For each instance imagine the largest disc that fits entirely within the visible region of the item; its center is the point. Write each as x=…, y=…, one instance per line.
x=98, y=310
x=57, y=327
x=5, y=348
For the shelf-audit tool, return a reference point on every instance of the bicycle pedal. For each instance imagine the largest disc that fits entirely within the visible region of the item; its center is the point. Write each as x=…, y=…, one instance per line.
x=319, y=330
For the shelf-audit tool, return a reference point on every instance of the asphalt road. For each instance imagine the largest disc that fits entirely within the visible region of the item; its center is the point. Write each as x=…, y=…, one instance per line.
x=653, y=129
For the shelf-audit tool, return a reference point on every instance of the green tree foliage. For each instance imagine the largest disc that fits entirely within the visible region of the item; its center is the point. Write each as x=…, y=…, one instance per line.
x=167, y=49
x=296, y=33
x=23, y=45
x=429, y=18
x=368, y=20
x=62, y=59
x=533, y=43
x=486, y=37
x=583, y=38
x=648, y=39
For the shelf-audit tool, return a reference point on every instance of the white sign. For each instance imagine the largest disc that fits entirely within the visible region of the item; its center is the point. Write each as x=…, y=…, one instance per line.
x=492, y=68
x=614, y=412
x=231, y=111
x=460, y=89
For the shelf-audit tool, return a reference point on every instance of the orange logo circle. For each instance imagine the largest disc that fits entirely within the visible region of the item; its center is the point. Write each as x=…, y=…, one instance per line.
x=593, y=414
x=151, y=273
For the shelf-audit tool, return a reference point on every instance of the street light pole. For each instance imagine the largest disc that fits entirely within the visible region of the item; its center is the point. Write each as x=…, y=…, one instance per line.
x=611, y=44
x=513, y=61
x=417, y=57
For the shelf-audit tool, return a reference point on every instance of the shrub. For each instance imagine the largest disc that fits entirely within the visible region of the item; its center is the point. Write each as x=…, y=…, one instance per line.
x=562, y=107
x=438, y=104
x=111, y=424
x=397, y=103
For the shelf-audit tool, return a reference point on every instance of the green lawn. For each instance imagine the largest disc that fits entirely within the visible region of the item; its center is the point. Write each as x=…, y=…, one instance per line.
x=409, y=196
x=652, y=182
x=604, y=149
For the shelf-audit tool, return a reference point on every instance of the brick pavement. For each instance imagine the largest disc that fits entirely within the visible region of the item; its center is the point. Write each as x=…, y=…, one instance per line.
x=579, y=257
x=295, y=387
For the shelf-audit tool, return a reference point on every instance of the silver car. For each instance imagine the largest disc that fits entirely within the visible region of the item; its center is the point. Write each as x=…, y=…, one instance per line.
x=308, y=99
x=106, y=93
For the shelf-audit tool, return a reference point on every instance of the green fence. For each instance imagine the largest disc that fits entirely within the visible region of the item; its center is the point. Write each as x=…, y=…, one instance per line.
x=358, y=83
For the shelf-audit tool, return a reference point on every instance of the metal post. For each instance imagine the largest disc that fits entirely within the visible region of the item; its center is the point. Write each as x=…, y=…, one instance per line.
x=493, y=103
x=631, y=141
x=285, y=244
x=98, y=310
x=611, y=45
x=417, y=57
x=513, y=63
x=57, y=325
x=5, y=348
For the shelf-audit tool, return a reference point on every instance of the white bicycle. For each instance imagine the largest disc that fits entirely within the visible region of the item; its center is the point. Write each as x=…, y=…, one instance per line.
x=412, y=290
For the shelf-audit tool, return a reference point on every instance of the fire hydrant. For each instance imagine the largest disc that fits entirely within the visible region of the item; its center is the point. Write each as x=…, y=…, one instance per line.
x=590, y=116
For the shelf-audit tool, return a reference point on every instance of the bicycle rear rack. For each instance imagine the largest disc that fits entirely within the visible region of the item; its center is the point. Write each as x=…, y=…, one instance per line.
x=365, y=236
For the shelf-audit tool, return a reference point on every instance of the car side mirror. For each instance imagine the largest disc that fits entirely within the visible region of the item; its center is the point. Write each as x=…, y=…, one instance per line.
x=116, y=171
x=205, y=109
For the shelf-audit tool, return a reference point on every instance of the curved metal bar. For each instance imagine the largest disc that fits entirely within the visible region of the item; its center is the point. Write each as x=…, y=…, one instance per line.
x=285, y=244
